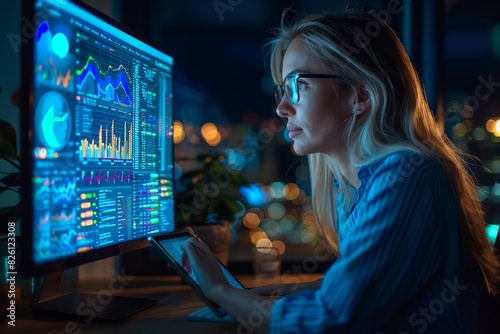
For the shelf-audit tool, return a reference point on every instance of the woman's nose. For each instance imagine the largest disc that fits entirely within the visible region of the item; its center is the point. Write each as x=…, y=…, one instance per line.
x=284, y=109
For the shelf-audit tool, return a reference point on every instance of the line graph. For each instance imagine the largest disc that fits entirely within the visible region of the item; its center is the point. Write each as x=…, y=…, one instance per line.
x=98, y=178
x=63, y=220
x=63, y=190
x=43, y=223
x=103, y=72
x=41, y=189
x=60, y=77
x=60, y=234
x=54, y=190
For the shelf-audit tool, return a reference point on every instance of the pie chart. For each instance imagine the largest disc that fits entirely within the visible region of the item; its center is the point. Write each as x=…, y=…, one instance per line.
x=53, y=121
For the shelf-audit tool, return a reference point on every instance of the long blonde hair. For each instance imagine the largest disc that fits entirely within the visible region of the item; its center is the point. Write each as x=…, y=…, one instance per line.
x=361, y=48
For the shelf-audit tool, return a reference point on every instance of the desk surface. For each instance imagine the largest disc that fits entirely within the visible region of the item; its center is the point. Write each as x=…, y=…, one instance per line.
x=175, y=301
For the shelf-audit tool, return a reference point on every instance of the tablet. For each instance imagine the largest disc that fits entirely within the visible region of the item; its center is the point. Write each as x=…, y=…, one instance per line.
x=169, y=246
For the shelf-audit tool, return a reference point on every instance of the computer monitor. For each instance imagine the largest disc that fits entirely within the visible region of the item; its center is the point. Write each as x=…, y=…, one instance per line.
x=97, y=146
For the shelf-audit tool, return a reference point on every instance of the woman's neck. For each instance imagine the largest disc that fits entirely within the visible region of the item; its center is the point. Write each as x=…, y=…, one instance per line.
x=348, y=170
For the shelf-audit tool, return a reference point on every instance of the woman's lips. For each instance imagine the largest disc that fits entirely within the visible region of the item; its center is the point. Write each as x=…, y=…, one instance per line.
x=293, y=131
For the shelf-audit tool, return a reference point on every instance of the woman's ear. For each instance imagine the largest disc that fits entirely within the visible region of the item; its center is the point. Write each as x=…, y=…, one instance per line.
x=363, y=100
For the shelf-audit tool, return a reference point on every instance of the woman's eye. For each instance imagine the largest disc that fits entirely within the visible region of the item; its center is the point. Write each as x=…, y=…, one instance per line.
x=301, y=85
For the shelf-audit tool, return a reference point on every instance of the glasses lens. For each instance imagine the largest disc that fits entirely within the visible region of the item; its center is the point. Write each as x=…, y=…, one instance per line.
x=278, y=94
x=291, y=91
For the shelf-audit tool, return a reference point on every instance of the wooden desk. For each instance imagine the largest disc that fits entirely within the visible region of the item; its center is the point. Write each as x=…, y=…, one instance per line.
x=176, y=301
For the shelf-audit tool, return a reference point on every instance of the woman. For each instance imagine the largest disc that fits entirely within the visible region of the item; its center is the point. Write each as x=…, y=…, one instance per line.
x=391, y=195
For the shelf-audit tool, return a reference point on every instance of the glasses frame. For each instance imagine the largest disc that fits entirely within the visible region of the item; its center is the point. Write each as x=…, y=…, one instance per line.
x=292, y=93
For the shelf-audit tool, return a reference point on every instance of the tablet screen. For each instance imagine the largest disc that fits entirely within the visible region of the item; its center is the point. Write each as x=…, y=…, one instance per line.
x=173, y=247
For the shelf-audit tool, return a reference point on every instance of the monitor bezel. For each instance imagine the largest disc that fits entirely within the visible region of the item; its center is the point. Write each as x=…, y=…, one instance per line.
x=27, y=266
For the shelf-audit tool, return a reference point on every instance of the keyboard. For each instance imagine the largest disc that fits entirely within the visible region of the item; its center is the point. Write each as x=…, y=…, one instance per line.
x=205, y=314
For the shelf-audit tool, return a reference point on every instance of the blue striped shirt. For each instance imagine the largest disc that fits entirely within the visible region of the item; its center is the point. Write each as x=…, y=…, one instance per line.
x=399, y=270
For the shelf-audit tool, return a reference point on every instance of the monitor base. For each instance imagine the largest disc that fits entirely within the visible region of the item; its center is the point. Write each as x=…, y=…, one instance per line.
x=87, y=307
x=103, y=305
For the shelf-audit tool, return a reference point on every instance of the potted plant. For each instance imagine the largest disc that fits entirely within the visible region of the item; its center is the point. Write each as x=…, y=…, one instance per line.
x=208, y=199
x=10, y=169
x=10, y=177
x=10, y=181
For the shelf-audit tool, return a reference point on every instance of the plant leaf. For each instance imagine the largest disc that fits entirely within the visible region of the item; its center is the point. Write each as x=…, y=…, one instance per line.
x=7, y=148
x=12, y=180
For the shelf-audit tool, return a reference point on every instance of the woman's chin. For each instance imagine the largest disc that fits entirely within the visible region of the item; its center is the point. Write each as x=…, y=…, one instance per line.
x=298, y=150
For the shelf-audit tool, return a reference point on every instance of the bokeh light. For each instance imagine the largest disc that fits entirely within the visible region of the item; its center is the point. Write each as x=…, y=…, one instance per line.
x=264, y=242
x=291, y=191
x=278, y=189
x=307, y=218
x=287, y=224
x=468, y=125
x=179, y=133
x=301, y=197
x=211, y=134
x=257, y=234
x=276, y=211
x=308, y=237
x=479, y=134
x=254, y=194
x=496, y=190
x=483, y=192
x=495, y=164
x=280, y=245
x=497, y=126
x=459, y=130
x=271, y=227
x=269, y=192
x=177, y=171
x=492, y=232
x=490, y=125
x=251, y=220
x=286, y=136
x=468, y=111
x=258, y=212
x=235, y=158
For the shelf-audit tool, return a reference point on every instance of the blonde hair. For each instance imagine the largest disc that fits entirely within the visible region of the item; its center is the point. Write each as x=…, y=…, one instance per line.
x=361, y=48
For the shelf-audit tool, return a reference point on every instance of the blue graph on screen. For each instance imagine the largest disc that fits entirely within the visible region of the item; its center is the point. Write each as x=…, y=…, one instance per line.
x=63, y=190
x=102, y=72
x=54, y=190
x=111, y=85
x=53, y=59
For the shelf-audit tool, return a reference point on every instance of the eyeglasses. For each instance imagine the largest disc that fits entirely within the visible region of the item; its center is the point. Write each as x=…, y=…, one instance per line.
x=290, y=87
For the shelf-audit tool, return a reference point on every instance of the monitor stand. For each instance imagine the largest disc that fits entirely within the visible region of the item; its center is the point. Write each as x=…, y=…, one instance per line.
x=103, y=305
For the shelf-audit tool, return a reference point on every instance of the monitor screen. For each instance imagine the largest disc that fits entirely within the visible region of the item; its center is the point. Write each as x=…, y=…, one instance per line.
x=98, y=143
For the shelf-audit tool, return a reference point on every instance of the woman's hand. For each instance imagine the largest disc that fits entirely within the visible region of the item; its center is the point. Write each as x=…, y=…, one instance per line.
x=241, y=304
x=198, y=258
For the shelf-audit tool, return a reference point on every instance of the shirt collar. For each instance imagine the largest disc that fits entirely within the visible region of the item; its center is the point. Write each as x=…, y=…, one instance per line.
x=364, y=171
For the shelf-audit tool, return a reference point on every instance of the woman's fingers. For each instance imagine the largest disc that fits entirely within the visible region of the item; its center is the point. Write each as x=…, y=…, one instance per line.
x=187, y=249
